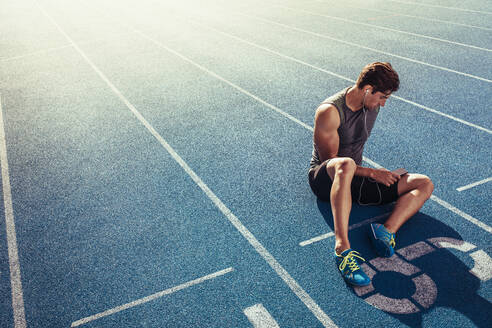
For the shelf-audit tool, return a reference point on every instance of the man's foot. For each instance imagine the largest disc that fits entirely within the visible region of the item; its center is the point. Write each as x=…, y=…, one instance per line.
x=348, y=265
x=383, y=240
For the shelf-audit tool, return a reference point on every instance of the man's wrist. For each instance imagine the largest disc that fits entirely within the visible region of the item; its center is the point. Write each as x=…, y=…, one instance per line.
x=365, y=172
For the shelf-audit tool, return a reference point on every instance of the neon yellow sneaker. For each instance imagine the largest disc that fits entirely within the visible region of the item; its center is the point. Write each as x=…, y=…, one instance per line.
x=348, y=265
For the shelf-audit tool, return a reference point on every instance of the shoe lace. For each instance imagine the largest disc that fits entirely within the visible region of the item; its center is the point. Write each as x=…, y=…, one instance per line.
x=350, y=260
x=388, y=237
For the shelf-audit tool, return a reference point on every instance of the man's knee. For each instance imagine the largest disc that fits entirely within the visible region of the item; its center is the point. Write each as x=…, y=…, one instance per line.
x=343, y=167
x=427, y=186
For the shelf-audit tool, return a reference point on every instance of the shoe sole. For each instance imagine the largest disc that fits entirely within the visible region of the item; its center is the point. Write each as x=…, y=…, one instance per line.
x=356, y=285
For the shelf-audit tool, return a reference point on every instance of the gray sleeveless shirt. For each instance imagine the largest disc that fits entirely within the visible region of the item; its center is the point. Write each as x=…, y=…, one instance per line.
x=354, y=130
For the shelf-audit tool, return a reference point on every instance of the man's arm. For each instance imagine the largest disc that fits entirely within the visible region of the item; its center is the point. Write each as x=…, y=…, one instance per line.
x=327, y=140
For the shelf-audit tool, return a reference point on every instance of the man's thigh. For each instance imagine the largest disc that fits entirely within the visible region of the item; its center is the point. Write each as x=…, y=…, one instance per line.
x=320, y=182
x=410, y=182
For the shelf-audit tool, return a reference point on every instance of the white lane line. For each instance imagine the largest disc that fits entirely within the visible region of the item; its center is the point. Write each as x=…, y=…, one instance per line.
x=150, y=297
x=324, y=36
x=420, y=17
x=335, y=75
x=443, y=114
x=260, y=317
x=290, y=117
x=14, y=265
x=474, y=184
x=331, y=234
x=445, y=204
x=55, y=49
x=438, y=6
x=462, y=214
x=372, y=26
x=262, y=251
x=34, y=53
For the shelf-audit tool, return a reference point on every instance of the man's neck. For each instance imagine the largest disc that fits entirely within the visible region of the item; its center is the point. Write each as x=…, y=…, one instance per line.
x=353, y=99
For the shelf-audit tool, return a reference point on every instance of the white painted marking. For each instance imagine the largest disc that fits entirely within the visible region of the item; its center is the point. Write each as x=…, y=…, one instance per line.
x=420, y=17
x=330, y=234
x=373, y=26
x=461, y=213
x=290, y=117
x=425, y=294
x=260, y=317
x=465, y=247
x=394, y=263
x=415, y=250
x=444, y=7
x=54, y=49
x=335, y=75
x=392, y=305
x=324, y=36
x=274, y=264
x=376, y=18
x=150, y=297
x=447, y=242
x=34, y=53
x=425, y=291
x=14, y=265
x=443, y=114
x=474, y=184
x=483, y=265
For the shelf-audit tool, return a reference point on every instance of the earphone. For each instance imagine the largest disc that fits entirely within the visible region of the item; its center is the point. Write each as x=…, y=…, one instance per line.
x=364, y=178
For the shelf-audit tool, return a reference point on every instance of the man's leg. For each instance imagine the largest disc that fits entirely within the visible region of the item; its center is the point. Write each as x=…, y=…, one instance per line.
x=341, y=172
x=413, y=191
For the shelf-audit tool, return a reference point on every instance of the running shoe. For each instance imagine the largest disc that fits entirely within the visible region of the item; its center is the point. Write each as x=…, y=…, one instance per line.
x=383, y=240
x=348, y=265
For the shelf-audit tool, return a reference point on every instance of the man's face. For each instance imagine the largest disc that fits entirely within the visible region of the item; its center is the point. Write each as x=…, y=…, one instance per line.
x=376, y=100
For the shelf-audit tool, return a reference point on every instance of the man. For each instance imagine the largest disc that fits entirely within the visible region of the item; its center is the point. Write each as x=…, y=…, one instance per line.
x=342, y=125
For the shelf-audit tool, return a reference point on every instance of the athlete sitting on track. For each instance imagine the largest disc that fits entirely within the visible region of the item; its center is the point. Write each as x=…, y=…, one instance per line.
x=342, y=125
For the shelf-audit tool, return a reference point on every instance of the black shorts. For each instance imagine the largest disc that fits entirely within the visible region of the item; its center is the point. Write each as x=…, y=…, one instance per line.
x=365, y=191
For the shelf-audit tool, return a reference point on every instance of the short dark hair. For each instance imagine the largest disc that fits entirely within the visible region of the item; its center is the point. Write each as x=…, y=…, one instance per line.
x=381, y=76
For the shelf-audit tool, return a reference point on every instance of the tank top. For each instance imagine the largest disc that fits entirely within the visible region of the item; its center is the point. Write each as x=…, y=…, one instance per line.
x=355, y=128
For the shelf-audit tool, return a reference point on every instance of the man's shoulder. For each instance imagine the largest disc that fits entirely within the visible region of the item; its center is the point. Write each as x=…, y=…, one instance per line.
x=327, y=115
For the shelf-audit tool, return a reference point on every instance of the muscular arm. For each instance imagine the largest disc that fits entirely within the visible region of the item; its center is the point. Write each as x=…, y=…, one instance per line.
x=326, y=123
x=326, y=138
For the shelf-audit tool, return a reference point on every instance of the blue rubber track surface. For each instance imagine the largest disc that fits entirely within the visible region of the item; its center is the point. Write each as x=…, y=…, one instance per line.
x=157, y=154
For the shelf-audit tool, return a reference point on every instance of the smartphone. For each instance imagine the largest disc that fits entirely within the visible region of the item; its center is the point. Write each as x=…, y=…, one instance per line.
x=400, y=172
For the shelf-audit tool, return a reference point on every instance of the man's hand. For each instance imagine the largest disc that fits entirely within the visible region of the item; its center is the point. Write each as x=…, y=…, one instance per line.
x=384, y=176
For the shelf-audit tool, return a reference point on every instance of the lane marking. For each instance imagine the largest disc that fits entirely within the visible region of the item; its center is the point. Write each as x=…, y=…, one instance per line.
x=324, y=36
x=14, y=265
x=483, y=264
x=443, y=114
x=34, y=53
x=290, y=117
x=386, y=28
x=482, y=261
x=262, y=251
x=461, y=213
x=331, y=234
x=260, y=317
x=150, y=297
x=55, y=49
x=444, y=7
x=474, y=184
x=375, y=18
x=419, y=17
x=335, y=75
